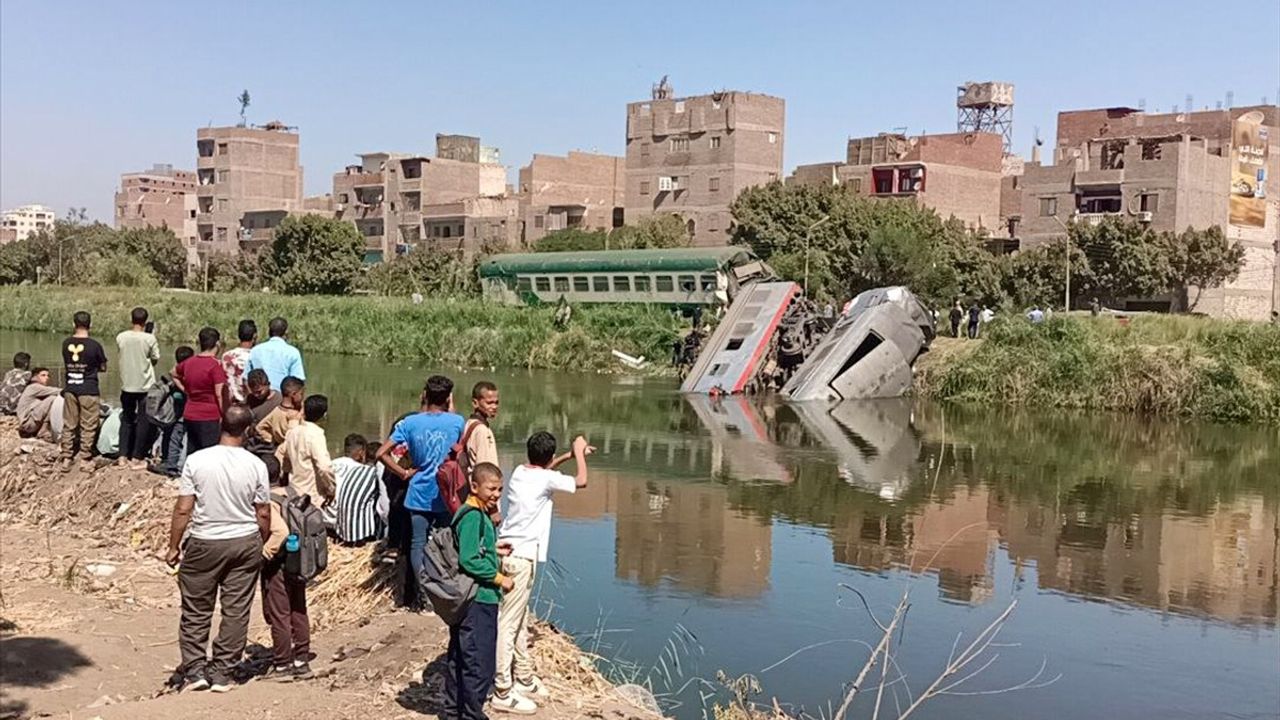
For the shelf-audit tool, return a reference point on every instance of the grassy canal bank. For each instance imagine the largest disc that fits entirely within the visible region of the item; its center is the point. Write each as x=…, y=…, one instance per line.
x=1167, y=365
x=456, y=332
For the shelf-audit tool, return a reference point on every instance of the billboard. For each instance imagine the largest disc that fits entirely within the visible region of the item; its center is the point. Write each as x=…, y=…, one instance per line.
x=1249, y=144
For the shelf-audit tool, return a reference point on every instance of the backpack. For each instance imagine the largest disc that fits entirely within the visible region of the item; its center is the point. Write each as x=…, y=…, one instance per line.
x=159, y=404
x=450, y=590
x=307, y=522
x=452, y=478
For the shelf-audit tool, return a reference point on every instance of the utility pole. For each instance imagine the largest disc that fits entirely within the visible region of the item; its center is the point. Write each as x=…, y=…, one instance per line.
x=808, y=235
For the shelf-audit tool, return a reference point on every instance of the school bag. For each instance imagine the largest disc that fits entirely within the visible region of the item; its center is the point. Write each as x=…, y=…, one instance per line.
x=159, y=404
x=451, y=478
x=306, y=521
x=450, y=590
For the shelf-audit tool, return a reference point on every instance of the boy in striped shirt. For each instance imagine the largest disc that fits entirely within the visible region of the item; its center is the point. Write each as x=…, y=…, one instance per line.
x=359, y=492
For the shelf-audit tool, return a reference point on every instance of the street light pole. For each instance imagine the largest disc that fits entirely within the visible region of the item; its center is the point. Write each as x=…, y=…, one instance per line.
x=808, y=236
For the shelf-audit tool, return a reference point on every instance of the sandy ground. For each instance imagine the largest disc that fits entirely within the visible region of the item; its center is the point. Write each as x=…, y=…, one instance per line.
x=89, y=618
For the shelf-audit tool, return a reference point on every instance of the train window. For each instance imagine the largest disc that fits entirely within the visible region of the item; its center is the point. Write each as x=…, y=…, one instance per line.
x=621, y=283
x=543, y=284
x=600, y=283
x=524, y=283
x=642, y=283
x=581, y=284
x=709, y=283
x=687, y=283
x=562, y=284
x=663, y=283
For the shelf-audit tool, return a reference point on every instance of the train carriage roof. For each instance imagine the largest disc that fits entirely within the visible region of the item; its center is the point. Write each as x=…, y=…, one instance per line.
x=668, y=260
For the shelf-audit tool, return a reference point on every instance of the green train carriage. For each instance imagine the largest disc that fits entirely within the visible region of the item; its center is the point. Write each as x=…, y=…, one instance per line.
x=681, y=277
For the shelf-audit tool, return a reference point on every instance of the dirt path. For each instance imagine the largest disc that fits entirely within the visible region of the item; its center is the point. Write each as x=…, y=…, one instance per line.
x=89, y=618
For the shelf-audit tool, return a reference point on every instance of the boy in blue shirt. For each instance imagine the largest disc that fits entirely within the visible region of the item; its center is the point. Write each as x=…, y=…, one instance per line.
x=428, y=437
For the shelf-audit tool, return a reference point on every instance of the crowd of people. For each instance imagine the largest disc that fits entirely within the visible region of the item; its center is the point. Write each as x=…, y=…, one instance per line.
x=259, y=496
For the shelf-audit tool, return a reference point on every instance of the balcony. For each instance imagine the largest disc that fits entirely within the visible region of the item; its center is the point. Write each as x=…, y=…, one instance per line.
x=1096, y=178
x=1094, y=218
x=364, y=179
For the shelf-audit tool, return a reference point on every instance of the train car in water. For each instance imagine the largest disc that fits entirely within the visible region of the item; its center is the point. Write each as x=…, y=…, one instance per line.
x=685, y=277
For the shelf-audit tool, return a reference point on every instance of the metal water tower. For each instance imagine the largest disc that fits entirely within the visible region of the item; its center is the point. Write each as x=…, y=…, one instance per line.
x=986, y=107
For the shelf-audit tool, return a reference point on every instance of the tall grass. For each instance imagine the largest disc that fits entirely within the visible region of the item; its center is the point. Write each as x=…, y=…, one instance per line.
x=1166, y=365
x=462, y=332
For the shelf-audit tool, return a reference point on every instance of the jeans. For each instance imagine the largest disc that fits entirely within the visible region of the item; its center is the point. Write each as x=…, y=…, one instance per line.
x=135, y=430
x=202, y=434
x=419, y=534
x=469, y=677
x=174, y=448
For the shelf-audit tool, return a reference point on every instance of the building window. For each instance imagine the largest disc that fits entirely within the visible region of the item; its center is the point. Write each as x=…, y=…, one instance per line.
x=621, y=283
x=715, y=142
x=543, y=284
x=644, y=150
x=1048, y=206
x=644, y=187
x=680, y=144
x=562, y=284
x=1149, y=202
x=224, y=175
x=538, y=220
x=581, y=283
x=223, y=204
x=222, y=148
x=857, y=186
x=679, y=106
x=642, y=283
x=713, y=184
x=664, y=284
x=773, y=138
x=222, y=234
x=600, y=284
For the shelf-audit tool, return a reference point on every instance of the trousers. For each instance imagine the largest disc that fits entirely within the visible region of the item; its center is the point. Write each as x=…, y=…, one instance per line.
x=284, y=607
x=135, y=431
x=202, y=434
x=514, y=662
x=215, y=571
x=469, y=677
x=80, y=419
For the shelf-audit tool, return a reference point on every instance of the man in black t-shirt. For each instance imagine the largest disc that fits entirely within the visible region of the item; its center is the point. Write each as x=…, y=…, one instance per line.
x=82, y=358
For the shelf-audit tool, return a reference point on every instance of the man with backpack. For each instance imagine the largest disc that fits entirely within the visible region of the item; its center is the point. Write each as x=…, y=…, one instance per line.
x=223, y=500
x=284, y=593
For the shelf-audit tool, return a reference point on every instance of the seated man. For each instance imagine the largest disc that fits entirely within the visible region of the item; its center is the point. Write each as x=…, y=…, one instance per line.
x=14, y=382
x=359, y=493
x=35, y=408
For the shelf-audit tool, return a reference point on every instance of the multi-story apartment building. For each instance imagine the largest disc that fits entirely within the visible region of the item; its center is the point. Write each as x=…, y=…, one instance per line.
x=1170, y=171
x=391, y=197
x=579, y=190
x=243, y=170
x=159, y=197
x=956, y=174
x=692, y=156
x=20, y=222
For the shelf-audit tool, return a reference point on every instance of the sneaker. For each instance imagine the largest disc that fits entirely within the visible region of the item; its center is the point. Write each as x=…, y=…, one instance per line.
x=219, y=682
x=532, y=688
x=181, y=681
x=279, y=673
x=512, y=702
x=302, y=670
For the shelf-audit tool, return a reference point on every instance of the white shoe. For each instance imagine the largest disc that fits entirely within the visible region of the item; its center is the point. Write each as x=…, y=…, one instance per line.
x=513, y=703
x=532, y=687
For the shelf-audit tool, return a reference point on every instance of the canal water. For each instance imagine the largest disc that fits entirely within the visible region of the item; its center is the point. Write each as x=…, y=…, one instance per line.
x=1144, y=556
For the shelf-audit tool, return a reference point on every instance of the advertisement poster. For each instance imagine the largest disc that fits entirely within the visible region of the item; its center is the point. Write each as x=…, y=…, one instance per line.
x=1249, y=142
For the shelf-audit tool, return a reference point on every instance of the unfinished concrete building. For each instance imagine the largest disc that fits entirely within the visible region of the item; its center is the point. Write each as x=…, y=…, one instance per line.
x=243, y=170
x=691, y=156
x=387, y=196
x=956, y=174
x=160, y=197
x=579, y=190
x=1169, y=171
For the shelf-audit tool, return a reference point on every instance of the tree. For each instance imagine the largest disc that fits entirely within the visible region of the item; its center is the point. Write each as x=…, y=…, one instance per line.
x=423, y=270
x=1037, y=276
x=243, y=99
x=571, y=239
x=314, y=255
x=1201, y=259
x=662, y=230
x=1125, y=258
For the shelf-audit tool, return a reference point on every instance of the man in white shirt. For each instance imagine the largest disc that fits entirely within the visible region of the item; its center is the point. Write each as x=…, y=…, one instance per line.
x=223, y=505
x=526, y=528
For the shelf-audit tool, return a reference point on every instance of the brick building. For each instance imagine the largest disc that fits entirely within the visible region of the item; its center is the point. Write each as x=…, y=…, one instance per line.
x=390, y=197
x=692, y=156
x=1171, y=171
x=956, y=174
x=243, y=170
x=578, y=190
x=159, y=197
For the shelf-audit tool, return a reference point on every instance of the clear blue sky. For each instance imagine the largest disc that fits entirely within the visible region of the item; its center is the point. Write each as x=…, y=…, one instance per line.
x=92, y=89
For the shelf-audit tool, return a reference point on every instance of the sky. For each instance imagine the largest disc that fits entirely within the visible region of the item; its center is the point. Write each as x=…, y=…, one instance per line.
x=90, y=89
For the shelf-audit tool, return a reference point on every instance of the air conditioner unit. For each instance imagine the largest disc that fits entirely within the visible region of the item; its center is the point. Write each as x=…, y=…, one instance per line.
x=666, y=184
x=1144, y=216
